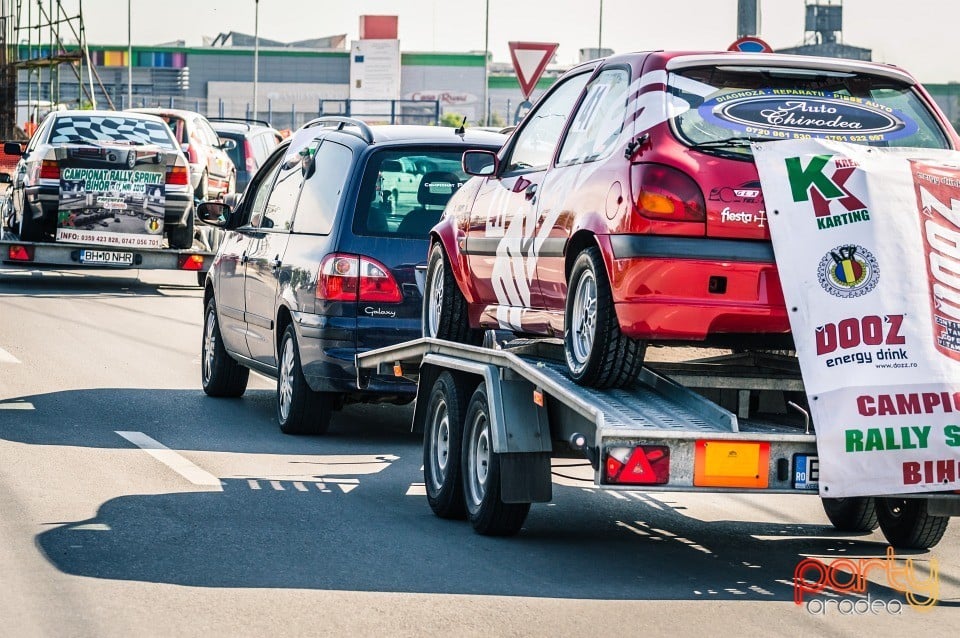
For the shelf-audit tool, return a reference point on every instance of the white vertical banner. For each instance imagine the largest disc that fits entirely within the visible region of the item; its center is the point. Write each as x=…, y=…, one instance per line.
x=867, y=243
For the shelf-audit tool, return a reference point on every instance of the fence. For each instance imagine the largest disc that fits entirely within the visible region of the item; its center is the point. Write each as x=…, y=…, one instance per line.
x=294, y=115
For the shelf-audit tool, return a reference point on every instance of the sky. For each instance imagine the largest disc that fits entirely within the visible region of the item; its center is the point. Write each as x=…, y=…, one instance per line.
x=918, y=35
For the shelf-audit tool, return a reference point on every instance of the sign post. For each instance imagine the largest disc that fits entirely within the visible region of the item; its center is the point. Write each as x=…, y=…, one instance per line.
x=530, y=59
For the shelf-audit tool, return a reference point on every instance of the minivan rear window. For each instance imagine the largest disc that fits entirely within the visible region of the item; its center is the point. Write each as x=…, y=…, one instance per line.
x=404, y=191
x=730, y=106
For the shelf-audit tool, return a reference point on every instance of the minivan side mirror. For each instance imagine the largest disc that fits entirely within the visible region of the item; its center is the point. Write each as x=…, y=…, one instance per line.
x=214, y=214
x=12, y=148
x=228, y=144
x=480, y=163
x=5, y=178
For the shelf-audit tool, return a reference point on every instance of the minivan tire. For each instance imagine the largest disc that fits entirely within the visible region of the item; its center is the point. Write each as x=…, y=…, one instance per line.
x=300, y=410
x=597, y=353
x=444, y=306
x=220, y=374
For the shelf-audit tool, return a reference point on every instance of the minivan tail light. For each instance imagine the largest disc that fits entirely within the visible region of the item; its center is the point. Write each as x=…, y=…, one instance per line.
x=49, y=169
x=666, y=194
x=251, y=162
x=356, y=278
x=178, y=176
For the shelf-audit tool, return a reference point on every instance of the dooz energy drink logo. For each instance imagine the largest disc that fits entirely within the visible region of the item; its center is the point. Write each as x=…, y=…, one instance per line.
x=848, y=271
x=823, y=181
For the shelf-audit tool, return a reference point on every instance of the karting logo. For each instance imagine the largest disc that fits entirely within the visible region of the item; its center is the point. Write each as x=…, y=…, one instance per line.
x=848, y=271
x=811, y=183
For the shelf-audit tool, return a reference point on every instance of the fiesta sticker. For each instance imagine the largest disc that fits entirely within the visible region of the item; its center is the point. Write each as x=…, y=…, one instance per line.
x=848, y=271
x=787, y=114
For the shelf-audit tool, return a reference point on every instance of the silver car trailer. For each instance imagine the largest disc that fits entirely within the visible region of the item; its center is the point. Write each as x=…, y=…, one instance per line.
x=494, y=417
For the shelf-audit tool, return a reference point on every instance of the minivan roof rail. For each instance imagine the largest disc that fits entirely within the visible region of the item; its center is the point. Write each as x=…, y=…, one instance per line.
x=366, y=133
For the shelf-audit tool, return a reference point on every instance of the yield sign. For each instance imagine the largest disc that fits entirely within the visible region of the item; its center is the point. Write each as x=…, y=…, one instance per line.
x=529, y=61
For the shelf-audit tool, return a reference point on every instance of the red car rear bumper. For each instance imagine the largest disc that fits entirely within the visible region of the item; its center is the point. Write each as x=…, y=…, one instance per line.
x=664, y=290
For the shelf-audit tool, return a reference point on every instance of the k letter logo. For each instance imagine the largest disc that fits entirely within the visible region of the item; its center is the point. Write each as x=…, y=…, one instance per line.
x=811, y=183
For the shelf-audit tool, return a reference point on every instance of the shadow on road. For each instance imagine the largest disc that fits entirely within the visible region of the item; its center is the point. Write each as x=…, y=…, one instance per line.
x=375, y=539
x=189, y=420
x=53, y=281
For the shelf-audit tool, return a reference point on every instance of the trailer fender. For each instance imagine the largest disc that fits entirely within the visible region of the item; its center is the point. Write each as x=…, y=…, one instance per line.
x=518, y=424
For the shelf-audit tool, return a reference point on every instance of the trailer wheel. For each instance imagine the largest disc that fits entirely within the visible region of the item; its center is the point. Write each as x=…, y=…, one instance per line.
x=855, y=514
x=442, y=443
x=598, y=355
x=488, y=514
x=300, y=410
x=220, y=374
x=444, y=307
x=906, y=525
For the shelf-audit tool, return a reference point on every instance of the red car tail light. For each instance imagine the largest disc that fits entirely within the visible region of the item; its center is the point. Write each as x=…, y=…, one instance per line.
x=642, y=465
x=178, y=176
x=666, y=194
x=355, y=278
x=190, y=262
x=18, y=252
x=49, y=169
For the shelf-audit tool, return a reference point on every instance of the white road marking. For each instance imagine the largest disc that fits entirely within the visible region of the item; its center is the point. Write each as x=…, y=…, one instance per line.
x=417, y=489
x=92, y=527
x=172, y=459
x=6, y=357
x=277, y=486
x=17, y=405
x=254, y=485
x=299, y=486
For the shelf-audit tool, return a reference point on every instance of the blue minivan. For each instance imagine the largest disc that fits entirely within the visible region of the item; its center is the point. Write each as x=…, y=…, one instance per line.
x=318, y=262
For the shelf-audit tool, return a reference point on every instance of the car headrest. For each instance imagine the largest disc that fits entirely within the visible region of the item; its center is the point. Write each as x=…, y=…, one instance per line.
x=437, y=187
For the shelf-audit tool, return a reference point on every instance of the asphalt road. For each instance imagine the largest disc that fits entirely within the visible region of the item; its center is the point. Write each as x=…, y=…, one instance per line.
x=132, y=504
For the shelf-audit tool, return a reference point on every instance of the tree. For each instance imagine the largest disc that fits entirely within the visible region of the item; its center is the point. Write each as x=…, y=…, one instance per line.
x=451, y=119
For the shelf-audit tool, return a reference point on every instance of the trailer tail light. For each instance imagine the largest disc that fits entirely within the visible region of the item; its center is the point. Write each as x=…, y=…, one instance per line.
x=356, y=278
x=18, y=252
x=641, y=465
x=178, y=176
x=190, y=262
x=49, y=169
x=731, y=464
x=666, y=194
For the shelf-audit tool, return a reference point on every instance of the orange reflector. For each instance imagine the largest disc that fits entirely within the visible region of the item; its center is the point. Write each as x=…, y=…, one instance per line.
x=728, y=464
x=538, y=397
x=20, y=253
x=397, y=370
x=191, y=262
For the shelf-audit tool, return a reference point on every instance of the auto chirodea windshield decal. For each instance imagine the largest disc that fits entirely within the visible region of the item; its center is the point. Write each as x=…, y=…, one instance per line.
x=787, y=114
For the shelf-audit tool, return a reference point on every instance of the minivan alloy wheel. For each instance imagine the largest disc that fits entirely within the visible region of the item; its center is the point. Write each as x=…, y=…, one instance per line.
x=286, y=378
x=209, y=343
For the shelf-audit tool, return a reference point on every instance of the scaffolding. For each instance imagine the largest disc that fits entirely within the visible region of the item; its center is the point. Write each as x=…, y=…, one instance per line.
x=41, y=41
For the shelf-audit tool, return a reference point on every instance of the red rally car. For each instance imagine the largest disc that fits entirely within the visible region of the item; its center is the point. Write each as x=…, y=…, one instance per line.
x=626, y=207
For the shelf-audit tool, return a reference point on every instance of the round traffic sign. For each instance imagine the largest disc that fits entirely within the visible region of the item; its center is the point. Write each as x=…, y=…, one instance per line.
x=750, y=44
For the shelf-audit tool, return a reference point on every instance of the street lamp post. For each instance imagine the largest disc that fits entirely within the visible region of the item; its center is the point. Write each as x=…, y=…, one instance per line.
x=256, y=53
x=600, y=31
x=129, y=59
x=486, y=67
